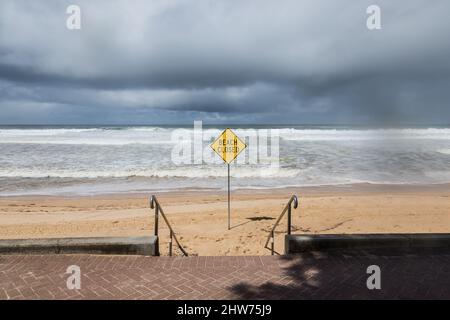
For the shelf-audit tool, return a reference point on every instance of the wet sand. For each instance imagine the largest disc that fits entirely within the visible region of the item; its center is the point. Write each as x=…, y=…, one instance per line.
x=200, y=218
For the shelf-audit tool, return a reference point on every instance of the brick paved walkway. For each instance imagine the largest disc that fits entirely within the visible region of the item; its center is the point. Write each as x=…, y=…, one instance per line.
x=313, y=275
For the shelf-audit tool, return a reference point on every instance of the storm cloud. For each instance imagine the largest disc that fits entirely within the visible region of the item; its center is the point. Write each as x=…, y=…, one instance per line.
x=224, y=61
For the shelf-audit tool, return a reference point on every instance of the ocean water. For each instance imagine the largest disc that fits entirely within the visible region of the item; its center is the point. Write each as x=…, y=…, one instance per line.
x=94, y=160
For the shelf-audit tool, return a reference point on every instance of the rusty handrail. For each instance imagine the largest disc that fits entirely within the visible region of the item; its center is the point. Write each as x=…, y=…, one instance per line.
x=154, y=204
x=288, y=208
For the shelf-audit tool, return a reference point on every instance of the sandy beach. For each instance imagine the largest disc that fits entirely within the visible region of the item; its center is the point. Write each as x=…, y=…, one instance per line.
x=200, y=218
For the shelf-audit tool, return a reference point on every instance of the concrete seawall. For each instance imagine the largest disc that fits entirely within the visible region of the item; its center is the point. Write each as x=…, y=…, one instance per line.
x=102, y=245
x=323, y=242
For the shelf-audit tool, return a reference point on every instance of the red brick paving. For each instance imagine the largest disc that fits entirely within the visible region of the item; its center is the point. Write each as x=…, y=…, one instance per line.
x=336, y=275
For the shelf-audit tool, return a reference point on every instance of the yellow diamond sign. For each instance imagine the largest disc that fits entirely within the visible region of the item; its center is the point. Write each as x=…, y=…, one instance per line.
x=228, y=145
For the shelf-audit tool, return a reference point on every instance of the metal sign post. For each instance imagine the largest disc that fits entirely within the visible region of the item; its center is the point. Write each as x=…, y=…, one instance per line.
x=229, y=209
x=228, y=146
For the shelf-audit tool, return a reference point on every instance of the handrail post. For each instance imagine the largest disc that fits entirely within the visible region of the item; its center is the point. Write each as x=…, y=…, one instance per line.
x=170, y=243
x=289, y=219
x=273, y=242
x=156, y=228
x=155, y=205
x=156, y=220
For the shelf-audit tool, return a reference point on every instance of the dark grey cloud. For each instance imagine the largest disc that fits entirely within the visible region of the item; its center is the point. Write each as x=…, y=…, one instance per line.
x=224, y=61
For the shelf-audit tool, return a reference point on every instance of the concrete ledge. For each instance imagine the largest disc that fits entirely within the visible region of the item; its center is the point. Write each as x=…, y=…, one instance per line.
x=111, y=245
x=323, y=242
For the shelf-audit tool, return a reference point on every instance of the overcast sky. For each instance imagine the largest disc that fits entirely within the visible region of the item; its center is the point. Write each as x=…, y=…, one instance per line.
x=224, y=61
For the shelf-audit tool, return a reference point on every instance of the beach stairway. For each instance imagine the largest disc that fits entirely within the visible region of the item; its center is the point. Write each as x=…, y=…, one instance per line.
x=300, y=243
x=146, y=245
x=154, y=204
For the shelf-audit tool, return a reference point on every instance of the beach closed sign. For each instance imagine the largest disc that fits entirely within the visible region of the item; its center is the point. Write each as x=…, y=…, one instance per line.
x=228, y=146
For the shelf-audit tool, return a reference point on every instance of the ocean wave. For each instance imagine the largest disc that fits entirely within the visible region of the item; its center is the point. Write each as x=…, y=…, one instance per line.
x=444, y=151
x=94, y=142
x=159, y=135
x=92, y=136
x=184, y=172
x=43, y=132
x=361, y=135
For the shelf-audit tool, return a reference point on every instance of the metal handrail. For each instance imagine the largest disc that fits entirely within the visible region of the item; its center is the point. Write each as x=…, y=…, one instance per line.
x=154, y=204
x=287, y=208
